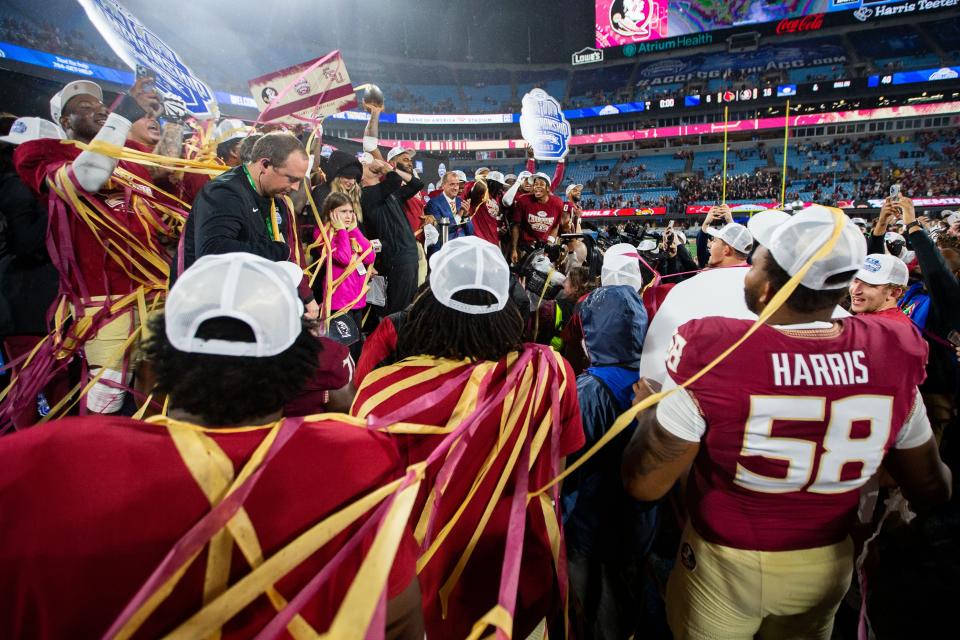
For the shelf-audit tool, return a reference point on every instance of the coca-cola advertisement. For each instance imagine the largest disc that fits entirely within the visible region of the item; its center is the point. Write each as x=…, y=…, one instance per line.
x=811, y=22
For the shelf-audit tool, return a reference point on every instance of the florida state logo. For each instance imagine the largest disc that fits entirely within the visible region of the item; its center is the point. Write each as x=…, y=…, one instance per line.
x=634, y=18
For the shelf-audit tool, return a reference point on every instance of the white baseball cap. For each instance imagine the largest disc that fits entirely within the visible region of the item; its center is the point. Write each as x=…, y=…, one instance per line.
x=795, y=241
x=399, y=151
x=734, y=234
x=881, y=268
x=762, y=225
x=476, y=174
x=893, y=236
x=621, y=265
x=571, y=187
x=509, y=176
x=953, y=218
x=470, y=264
x=495, y=176
x=461, y=176
x=648, y=245
x=860, y=222
x=542, y=176
x=231, y=129
x=523, y=175
x=26, y=129
x=258, y=292
x=71, y=90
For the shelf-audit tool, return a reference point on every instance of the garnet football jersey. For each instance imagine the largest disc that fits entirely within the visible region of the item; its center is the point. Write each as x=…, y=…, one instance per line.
x=537, y=220
x=796, y=422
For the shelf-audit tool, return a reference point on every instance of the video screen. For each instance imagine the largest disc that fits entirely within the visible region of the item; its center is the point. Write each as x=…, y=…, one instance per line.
x=621, y=22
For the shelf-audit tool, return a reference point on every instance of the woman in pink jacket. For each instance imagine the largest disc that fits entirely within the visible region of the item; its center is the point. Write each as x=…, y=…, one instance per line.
x=351, y=261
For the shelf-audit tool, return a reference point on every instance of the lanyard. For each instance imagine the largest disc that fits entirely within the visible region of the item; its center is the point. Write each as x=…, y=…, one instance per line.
x=273, y=228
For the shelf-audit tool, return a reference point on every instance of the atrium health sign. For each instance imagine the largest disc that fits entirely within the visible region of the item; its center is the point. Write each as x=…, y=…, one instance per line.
x=137, y=46
x=544, y=127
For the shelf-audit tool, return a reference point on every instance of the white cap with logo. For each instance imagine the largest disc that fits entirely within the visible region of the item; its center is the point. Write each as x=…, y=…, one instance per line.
x=461, y=176
x=495, y=176
x=734, y=234
x=882, y=268
x=399, y=151
x=231, y=129
x=470, y=264
x=258, y=292
x=26, y=129
x=571, y=187
x=795, y=241
x=542, y=176
x=71, y=90
x=621, y=265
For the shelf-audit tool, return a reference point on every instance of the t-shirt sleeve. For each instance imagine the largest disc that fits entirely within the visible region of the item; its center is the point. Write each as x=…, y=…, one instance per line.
x=916, y=430
x=571, y=424
x=33, y=164
x=679, y=414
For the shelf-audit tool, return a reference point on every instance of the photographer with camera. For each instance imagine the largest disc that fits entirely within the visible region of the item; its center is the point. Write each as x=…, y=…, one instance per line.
x=674, y=257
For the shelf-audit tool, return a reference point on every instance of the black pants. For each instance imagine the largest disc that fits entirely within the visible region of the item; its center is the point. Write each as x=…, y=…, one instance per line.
x=401, y=285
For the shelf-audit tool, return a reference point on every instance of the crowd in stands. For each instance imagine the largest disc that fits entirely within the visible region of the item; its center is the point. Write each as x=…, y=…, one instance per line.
x=46, y=36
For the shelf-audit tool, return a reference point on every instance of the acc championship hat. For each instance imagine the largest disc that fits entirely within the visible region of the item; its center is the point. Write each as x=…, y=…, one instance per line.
x=258, y=292
x=399, y=151
x=71, y=90
x=26, y=129
x=795, y=241
x=734, y=234
x=470, y=264
x=571, y=187
x=880, y=268
x=496, y=176
x=231, y=129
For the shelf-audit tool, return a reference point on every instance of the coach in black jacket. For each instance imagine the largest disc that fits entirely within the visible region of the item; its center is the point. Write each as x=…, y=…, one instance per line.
x=243, y=209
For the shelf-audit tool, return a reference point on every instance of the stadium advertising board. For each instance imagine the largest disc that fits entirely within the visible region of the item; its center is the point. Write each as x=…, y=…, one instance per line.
x=624, y=213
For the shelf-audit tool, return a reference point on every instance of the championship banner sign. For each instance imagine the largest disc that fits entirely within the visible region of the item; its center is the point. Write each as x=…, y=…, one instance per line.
x=624, y=213
x=544, y=127
x=306, y=92
x=137, y=46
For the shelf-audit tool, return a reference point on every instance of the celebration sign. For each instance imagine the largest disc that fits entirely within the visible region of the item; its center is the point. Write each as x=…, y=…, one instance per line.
x=544, y=127
x=306, y=92
x=137, y=46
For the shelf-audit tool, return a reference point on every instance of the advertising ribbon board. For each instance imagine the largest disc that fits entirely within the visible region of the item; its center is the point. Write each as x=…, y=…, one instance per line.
x=544, y=126
x=139, y=47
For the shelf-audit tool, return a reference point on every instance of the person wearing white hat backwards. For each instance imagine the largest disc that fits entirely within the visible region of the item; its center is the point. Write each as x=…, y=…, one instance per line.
x=466, y=374
x=779, y=437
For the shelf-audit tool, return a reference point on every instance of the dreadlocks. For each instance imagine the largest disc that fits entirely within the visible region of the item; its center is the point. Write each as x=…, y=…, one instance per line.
x=435, y=330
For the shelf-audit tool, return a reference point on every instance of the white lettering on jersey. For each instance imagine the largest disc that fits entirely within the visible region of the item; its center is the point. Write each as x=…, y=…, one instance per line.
x=819, y=369
x=859, y=457
x=675, y=352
